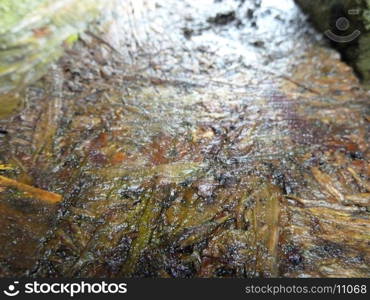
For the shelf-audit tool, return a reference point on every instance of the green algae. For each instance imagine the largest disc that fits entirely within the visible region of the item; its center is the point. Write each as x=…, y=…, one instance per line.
x=34, y=34
x=12, y=12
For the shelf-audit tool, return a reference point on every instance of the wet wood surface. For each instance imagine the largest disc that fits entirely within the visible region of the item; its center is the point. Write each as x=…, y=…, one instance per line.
x=236, y=148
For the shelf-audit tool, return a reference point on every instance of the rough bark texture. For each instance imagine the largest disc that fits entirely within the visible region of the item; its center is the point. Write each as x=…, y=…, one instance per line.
x=325, y=15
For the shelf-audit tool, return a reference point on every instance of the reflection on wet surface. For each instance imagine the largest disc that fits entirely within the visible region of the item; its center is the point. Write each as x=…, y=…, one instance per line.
x=218, y=139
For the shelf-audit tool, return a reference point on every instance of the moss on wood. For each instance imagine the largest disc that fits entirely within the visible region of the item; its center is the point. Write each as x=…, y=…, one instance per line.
x=33, y=34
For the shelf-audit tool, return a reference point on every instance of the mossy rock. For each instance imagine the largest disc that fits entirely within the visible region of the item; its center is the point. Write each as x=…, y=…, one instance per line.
x=347, y=24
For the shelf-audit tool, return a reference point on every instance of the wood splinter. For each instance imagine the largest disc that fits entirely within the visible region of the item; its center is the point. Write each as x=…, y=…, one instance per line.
x=39, y=194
